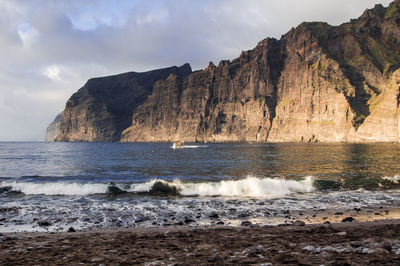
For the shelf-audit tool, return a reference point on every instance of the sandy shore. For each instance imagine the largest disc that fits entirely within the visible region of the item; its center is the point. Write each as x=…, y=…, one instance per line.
x=350, y=243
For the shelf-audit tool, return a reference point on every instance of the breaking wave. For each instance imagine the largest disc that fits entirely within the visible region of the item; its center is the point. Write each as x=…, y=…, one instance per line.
x=248, y=187
x=56, y=188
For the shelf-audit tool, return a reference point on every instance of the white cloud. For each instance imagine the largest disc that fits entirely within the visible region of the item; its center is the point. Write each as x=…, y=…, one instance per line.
x=52, y=72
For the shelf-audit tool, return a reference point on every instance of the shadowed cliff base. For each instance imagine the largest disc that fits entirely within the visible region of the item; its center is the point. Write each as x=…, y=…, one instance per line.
x=318, y=83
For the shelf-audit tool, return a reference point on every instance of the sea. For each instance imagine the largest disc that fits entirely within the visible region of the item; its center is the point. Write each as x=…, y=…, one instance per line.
x=55, y=186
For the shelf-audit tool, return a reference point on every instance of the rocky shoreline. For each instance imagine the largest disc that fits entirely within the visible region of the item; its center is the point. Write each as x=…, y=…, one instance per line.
x=347, y=243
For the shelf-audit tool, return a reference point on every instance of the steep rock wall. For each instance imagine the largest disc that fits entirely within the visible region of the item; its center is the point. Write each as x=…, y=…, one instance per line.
x=103, y=107
x=318, y=83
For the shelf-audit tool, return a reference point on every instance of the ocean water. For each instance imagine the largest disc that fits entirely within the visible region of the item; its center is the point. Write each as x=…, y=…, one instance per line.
x=53, y=186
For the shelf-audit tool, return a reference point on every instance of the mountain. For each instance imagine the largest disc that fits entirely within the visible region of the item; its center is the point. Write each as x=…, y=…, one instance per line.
x=53, y=129
x=103, y=107
x=318, y=83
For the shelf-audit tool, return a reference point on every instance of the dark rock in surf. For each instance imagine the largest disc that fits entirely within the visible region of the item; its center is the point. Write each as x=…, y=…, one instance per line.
x=113, y=190
x=71, y=230
x=163, y=189
x=139, y=220
x=243, y=215
x=44, y=223
x=188, y=221
x=5, y=189
x=8, y=209
x=213, y=215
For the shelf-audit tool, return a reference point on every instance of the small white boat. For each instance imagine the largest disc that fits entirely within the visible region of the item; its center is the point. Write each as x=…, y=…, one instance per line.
x=177, y=144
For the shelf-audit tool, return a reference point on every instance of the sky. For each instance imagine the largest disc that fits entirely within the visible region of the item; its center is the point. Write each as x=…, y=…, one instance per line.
x=50, y=48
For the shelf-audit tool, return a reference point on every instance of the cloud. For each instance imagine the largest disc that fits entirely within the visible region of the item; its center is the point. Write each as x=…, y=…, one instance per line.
x=27, y=33
x=50, y=48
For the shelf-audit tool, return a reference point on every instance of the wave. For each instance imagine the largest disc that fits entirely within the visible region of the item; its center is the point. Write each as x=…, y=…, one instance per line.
x=56, y=188
x=248, y=187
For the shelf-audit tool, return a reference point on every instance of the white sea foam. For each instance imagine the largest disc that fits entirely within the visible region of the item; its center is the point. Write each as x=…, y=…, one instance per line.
x=248, y=187
x=144, y=187
x=394, y=179
x=56, y=188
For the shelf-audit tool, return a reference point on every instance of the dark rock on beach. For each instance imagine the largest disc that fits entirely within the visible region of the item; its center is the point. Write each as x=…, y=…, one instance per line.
x=386, y=245
x=246, y=223
x=299, y=223
x=348, y=220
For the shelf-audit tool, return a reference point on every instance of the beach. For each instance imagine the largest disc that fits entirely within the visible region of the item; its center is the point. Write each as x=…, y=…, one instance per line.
x=347, y=243
x=233, y=204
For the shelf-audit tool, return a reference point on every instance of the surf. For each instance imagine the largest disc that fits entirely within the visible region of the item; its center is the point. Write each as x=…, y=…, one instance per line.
x=248, y=187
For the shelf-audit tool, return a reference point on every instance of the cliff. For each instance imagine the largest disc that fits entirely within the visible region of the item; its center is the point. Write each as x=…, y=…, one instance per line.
x=53, y=129
x=317, y=83
x=103, y=107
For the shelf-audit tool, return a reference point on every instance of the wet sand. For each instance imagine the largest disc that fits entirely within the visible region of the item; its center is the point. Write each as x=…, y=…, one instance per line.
x=350, y=243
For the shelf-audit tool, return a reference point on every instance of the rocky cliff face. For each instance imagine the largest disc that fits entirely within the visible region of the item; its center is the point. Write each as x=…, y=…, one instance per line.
x=53, y=129
x=103, y=107
x=317, y=83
